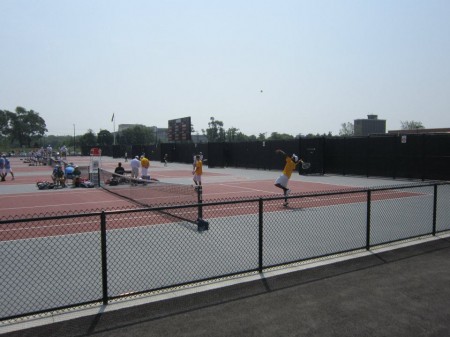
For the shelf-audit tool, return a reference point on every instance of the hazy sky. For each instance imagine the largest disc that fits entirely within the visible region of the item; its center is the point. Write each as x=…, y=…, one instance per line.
x=319, y=63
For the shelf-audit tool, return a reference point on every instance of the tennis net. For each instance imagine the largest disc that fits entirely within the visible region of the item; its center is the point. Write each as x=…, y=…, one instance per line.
x=156, y=194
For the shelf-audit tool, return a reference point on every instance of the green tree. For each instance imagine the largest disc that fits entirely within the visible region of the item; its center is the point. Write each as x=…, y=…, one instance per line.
x=241, y=137
x=411, y=125
x=105, y=138
x=88, y=139
x=280, y=136
x=137, y=135
x=347, y=129
x=22, y=126
x=4, y=121
x=215, y=131
x=262, y=136
x=231, y=134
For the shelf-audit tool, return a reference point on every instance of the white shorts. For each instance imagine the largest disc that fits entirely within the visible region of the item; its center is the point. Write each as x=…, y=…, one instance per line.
x=282, y=180
x=134, y=172
x=198, y=178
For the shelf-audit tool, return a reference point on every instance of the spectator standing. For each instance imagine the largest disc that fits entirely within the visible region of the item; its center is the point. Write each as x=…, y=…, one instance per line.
x=7, y=168
x=2, y=168
x=145, y=165
x=135, y=164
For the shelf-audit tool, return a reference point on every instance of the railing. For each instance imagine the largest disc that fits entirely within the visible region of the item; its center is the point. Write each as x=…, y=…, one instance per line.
x=62, y=261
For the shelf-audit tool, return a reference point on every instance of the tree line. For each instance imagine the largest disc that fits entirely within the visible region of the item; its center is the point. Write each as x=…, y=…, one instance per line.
x=26, y=128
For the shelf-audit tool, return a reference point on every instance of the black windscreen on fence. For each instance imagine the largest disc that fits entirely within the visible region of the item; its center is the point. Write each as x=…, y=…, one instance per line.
x=381, y=154
x=334, y=155
x=312, y=151
x=436, y=160
x=411, y=156
x=356, y=156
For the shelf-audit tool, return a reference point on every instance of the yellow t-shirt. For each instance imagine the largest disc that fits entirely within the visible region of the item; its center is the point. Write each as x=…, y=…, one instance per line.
x=289, y=167
x=145, y=162
x=198, y=167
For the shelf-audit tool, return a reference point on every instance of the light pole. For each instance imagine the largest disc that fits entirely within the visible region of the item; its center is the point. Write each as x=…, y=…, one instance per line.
x=74, y=139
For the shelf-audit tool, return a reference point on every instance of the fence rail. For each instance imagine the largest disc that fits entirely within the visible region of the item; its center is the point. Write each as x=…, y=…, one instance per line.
x=63, y=261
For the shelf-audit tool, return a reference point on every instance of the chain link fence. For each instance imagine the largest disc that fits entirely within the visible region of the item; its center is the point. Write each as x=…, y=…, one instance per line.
x=60, y=261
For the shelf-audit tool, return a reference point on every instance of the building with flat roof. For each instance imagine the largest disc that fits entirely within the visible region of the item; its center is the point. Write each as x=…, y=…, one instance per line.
x=365, y=127
x=419, y=131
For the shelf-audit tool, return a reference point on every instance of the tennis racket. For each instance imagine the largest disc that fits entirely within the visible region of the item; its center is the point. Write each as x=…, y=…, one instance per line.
x=306, y=166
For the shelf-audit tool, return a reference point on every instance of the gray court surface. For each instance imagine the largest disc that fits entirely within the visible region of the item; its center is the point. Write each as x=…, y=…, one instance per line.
x=400, y=291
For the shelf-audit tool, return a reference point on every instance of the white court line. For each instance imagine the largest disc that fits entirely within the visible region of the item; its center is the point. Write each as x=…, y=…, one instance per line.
x=58, y=192
x=243, y=188
x=60, y=205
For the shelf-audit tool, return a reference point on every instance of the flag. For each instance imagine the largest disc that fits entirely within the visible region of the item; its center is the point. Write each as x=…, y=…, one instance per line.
x=112, y=119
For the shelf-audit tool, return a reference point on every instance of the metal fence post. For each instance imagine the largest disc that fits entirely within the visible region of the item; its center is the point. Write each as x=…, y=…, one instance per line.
x=369, y=197
x=434, y=209
x=104, y=257
x=260, y=245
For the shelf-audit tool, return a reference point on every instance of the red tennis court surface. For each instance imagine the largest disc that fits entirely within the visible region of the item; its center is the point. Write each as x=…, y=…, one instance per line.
x=217, y=185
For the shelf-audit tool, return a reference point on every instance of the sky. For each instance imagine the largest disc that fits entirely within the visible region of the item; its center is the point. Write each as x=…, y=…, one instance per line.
x=286, y=66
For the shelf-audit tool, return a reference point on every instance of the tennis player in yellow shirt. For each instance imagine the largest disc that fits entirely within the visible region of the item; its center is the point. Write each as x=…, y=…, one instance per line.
x=145, y=165
x=197, y=171
x=283, y=179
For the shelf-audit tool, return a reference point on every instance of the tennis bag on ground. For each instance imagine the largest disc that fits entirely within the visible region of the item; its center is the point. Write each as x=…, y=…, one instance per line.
x=86, y=183
x=45, y=185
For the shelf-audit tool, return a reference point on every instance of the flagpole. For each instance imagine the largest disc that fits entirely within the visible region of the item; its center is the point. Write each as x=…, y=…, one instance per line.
x=113, y=119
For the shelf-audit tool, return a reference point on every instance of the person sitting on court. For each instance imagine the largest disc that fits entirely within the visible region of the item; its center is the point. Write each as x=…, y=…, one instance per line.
x=119, y=169
x=58, y=176
x=119, y=173
x=76, y=176
x=68, y=171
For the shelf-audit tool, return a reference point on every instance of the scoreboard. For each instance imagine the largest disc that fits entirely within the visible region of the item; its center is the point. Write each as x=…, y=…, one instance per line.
x=179, y=129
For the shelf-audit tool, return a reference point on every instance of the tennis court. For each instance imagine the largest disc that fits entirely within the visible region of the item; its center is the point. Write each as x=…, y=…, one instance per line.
x=22, y=199
x=152, y=250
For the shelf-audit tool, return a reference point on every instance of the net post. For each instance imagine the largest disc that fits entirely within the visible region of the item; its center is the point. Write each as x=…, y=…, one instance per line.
x=199, y=201
x=202, y=225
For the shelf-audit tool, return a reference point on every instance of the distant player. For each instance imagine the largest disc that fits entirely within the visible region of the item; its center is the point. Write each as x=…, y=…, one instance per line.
x=283, y=179
x=197, y=171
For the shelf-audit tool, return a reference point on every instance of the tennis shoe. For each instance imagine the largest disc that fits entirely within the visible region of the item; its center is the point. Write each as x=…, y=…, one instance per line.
x=286, y=204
